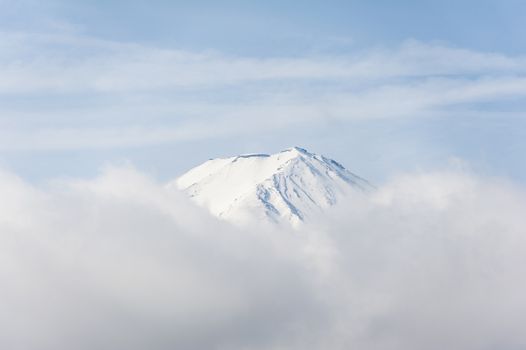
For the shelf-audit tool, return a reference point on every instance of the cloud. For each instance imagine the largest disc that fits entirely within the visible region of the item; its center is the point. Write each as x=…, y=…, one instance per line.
x=61, y=90
x=430, y=260
x=75, y=63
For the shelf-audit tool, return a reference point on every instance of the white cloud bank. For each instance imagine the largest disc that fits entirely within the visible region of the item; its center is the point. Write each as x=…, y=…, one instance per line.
x=430, y=261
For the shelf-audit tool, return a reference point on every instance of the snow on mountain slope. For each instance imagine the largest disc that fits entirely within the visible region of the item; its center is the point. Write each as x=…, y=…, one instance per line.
x=289, y=186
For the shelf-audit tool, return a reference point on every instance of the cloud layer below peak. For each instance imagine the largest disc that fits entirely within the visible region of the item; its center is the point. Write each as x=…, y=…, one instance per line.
x=430, y=260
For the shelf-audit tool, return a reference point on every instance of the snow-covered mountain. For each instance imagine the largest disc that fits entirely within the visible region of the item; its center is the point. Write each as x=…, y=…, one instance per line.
x=289, y=186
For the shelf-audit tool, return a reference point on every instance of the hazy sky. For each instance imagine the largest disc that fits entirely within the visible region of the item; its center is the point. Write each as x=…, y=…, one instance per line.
x=382, y=87
x=426, y=99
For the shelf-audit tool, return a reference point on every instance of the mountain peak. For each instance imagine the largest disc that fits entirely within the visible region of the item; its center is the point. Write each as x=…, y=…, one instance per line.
x=297, y=150
x=289, y=186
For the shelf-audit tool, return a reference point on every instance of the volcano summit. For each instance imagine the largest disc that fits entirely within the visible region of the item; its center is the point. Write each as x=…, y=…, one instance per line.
x=289, y=186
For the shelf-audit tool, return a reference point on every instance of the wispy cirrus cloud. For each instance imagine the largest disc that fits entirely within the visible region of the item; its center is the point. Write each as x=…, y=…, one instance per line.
x=71, y=63
x=85, y=93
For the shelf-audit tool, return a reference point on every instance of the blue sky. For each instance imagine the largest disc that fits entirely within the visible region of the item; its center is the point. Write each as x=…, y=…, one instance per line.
x=384, y=87
x=270, y=27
